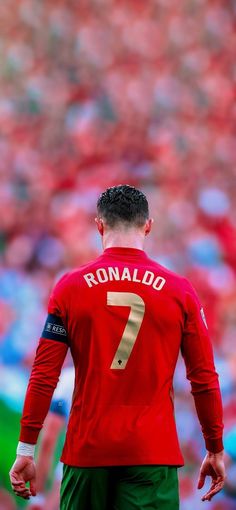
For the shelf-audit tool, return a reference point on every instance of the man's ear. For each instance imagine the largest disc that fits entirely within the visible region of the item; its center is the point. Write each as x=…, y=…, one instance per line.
x=148, y=226
x=100, y=225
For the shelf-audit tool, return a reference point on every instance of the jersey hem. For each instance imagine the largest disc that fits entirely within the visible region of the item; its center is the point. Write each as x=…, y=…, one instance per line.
x=123, y=461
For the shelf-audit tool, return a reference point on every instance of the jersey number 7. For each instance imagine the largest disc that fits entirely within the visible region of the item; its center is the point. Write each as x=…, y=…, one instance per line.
x=131, y=331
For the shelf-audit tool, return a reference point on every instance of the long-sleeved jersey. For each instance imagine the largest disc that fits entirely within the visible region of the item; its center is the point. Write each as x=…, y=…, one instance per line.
x=125, y=319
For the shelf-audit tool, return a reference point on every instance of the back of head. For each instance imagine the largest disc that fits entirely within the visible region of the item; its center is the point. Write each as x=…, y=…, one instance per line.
x=123, y=205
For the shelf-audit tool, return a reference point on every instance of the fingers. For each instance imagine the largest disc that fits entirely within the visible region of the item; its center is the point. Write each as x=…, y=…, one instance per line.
x=23, y=496
x=216, y=487
x=17, y=483
x=22, y=492
x=19, y=487
x=201, y=481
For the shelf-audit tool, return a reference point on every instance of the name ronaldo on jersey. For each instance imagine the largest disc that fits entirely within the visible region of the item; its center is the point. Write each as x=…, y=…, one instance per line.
x=103, y=275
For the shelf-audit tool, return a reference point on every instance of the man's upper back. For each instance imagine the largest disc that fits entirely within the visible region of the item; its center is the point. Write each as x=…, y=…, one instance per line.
x=126, y=312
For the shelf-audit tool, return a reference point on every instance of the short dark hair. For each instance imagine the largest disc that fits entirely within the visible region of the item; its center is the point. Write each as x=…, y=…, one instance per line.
x=123, y=204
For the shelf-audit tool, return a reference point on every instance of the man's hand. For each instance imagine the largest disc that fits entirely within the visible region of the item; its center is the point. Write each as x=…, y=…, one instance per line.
x=213, y=465
x=23, y=471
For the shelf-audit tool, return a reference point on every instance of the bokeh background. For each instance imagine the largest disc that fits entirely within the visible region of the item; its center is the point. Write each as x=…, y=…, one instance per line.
x=102, y=92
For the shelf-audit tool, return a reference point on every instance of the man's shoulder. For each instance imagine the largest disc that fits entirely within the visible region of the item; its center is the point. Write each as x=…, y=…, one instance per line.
x=168, y=273
x=74, y=275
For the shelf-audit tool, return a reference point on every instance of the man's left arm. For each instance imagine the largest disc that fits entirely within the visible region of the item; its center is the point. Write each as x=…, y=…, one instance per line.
x=198, y=356
x=50, y=355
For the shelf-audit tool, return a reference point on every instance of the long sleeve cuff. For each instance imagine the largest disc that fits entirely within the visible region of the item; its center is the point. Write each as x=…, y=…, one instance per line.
x=214, y=445
x=29, y=434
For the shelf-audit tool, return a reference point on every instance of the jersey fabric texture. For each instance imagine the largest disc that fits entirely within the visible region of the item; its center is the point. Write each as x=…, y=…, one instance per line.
x=120, y=488
x=126, y=319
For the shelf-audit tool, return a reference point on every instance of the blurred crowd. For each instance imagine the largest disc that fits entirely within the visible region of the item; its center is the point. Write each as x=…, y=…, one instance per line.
x=101, y=92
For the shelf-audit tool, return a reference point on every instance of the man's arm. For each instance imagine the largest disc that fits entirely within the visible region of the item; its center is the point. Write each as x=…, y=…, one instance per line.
x=46, y=369
x=198, y=356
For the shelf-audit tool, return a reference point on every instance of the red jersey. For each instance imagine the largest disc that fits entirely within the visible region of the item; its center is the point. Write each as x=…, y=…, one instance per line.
x=125, y=319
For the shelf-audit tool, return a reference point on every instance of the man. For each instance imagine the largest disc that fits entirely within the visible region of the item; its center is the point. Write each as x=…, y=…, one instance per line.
x=125, y=318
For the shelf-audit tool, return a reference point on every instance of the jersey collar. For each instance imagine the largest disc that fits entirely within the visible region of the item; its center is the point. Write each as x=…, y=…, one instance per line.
x=126, y=252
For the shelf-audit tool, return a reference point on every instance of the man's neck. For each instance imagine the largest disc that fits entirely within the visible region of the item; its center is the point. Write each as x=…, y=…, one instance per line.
x=130, y=239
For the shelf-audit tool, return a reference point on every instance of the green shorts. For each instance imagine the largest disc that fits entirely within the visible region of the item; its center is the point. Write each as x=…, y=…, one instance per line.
x=120, y=488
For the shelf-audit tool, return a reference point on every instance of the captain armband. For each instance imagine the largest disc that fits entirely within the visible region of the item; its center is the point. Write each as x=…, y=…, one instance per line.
x=54, y=329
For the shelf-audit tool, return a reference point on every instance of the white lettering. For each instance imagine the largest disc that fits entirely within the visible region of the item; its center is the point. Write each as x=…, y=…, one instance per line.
x=148, y=278
x=90, y=279
x=113, y=273
x=135, y=279
x=102, y=275
x=126, y=274
x=161, y=284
